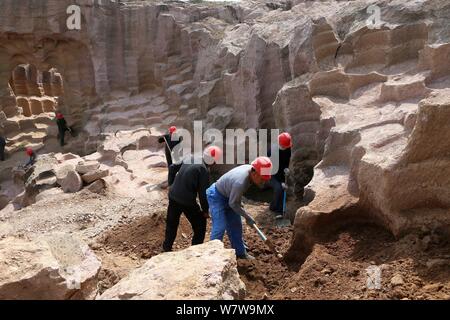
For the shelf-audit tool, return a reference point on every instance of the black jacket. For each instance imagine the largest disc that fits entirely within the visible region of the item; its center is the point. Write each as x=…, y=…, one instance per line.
x=62, y=125
x=284, y=160
x=170, y=142
x=189, y=180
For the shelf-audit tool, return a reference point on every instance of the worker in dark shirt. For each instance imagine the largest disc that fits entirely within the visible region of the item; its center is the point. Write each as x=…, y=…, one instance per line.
x=190, y=179
x=170, y=143
x=277, y=182
x=2, y=148
x=62, y=127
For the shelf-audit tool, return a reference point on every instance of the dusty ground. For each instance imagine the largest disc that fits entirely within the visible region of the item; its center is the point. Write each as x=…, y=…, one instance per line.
x=336, y=269
x=125, y=232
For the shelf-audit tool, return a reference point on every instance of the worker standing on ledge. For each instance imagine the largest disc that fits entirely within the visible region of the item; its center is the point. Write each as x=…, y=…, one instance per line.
x=62, y=127
x=187, y=181
x=2, y=148
x=225, y=196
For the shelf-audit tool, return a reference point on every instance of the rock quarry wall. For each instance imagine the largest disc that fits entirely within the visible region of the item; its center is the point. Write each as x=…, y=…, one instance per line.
x=366, y=107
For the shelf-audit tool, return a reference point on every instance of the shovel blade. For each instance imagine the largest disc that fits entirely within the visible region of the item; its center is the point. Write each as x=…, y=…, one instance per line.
x=281, y=223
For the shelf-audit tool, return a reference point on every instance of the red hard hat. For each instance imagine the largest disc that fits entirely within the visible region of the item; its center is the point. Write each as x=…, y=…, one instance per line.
x=172, y=129
x=59, y=115
x=29, y=151
x=263, y=167
x=212, y=154
x=285, y=140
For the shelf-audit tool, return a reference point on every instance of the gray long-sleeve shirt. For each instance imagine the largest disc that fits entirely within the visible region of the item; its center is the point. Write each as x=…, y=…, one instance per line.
x=233, y=185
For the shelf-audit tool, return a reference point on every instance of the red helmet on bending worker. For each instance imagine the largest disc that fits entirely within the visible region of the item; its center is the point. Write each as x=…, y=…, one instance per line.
x=172, y=129
x=29, y=151
x=59, y=115
x=263, y=166
x=212, y=154
x=285, y=140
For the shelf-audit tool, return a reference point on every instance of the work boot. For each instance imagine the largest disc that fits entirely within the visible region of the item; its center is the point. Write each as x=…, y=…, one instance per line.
x=247, y=256
x=278, y=215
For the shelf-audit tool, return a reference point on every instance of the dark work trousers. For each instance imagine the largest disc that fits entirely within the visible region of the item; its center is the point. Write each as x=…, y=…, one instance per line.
x=277, y=201
x=2, y=153
x=62, y=132
x=195, y=218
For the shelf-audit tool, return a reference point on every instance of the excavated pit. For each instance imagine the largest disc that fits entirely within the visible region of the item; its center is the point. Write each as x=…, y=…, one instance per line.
x=357, y=102
x=336, y=267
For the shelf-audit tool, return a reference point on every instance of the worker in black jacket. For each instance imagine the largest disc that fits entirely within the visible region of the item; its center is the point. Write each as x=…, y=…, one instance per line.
x=2, y=148
x=62, y=127
x=277, y=182
x=170, y=143
x=190, y=179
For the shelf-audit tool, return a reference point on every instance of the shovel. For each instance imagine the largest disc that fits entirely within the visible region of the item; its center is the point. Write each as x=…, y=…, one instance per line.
x=268, y=243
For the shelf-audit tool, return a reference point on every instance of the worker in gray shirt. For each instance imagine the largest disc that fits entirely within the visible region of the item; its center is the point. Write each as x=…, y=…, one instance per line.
x=224, y=198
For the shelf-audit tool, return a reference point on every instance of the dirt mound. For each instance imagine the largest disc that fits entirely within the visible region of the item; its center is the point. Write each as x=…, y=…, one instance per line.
x=413, y=267
x=129, y=244
x=264, y=274
x=143, y=237
x=337, y=266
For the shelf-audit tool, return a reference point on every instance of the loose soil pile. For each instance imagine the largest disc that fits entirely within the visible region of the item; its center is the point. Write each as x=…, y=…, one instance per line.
x=414, y=267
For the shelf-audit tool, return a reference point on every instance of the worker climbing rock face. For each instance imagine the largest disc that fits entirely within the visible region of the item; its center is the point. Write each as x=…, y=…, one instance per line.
x=225, y=201
x=189, y=180
x=170, y=143
x=62, y=127
x=278, y=181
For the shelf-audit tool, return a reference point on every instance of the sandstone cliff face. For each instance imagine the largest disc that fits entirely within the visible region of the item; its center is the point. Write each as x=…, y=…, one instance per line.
x=364, y=105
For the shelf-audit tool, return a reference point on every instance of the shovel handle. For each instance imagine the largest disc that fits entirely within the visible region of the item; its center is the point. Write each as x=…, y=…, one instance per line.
x=260, y=233
x=268, y=243
x=167, y=144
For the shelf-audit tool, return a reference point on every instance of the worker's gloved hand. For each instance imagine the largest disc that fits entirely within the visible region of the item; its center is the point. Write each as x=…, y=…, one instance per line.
x=284, y=186
x=250, y=221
